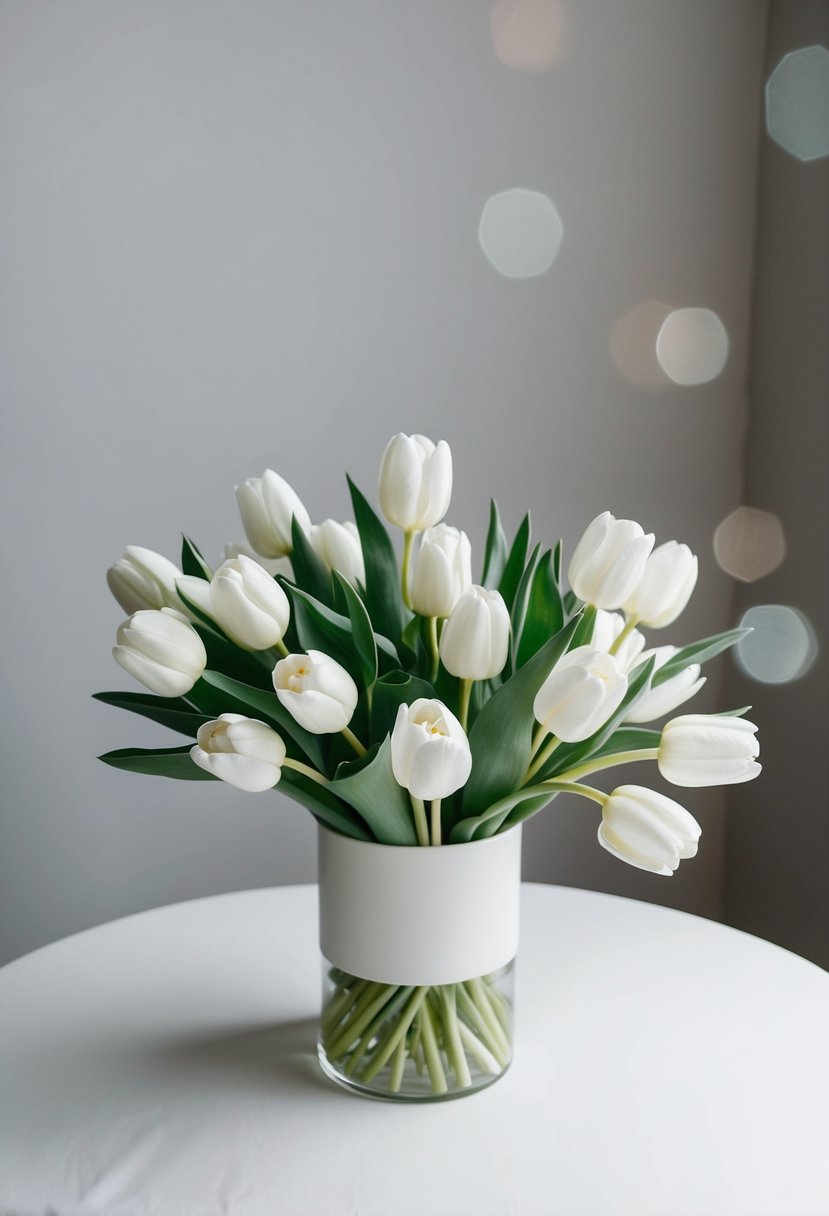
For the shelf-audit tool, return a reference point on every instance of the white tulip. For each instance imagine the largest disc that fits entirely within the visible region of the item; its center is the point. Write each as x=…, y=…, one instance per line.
x=647, y=830
x=475, y=639
x=665, y=587
x=243, y=599
x=442, y=571
x=415, y=482
x=338, y=547
x=583, y=690
x=665, y=698
x=273, y=565
x=240, y=751
x=606, y=629
x=267, y=505
x=162, y=650
x=142, y=578
x=318, y=693
x=430, y=754
x=703, y=749
x=609, y=561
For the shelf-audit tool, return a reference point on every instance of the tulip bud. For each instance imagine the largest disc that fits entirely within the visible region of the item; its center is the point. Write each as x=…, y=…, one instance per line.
x=475, y=638
x=606, y=629
x=267, y=505
x=647, y=830
x=415, y=482
x=162, y=650
x=609, y=560
x=442, y=571
x=318, y=693
x=273, y=565
x=143, y=579
x=244, y=601
x=240, y=751
x=703, y=749
x=665, y=698
x=338, y=546
x=583, y=690
x=665, y=587
x=430, y=754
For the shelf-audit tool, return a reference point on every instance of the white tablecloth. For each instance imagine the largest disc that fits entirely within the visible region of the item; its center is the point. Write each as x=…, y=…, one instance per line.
x=165, y=1065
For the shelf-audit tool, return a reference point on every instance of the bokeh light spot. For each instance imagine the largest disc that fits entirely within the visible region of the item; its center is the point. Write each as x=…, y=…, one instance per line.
x=530, y=35
x=633, y=344
x=749, y=543
x=782, y=646
x=797, y=103
x=520, y=233
x=692, y=345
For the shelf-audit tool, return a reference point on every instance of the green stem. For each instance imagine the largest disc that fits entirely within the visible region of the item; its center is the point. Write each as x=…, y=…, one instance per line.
x=408, y=537
x=306, y=769
x=353, y=740
x=432, y=626
x=430, y=1050
x=628, y=628
x=465, y=694
x=282, y=648
x=451, y=1030
x=398, y=1064
x=352, y=1032
x=434, y=811
x=421, y=825
x=593, y=766
x=541, y=759
x=399, y=1032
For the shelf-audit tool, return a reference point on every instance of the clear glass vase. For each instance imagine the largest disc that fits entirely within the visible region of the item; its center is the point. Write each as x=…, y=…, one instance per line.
x=416, y=1043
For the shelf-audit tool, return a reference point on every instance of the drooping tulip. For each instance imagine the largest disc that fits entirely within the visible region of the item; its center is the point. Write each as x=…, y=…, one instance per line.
x=647, y=830
x=609, y=561
x=415, y=482
x=267, y=505
x=244, y=600
x=162, y=650
x=475, y=639
x=583, y=690
x=665, y=698
x=241, y=751
x=430, y=754
x=142, y=578
x=318, y=693
x=665, y=587
x=704, y=749
x=338, y=546
x=442, y=571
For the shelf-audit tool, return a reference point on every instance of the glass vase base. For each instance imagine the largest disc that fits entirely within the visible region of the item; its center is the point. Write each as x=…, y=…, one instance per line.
x=417, y=1089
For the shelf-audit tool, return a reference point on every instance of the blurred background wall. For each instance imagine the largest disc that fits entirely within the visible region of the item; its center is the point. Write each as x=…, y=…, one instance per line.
x=240, y=235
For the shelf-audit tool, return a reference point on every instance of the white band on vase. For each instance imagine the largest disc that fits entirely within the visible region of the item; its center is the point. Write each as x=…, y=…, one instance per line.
x=417, y=915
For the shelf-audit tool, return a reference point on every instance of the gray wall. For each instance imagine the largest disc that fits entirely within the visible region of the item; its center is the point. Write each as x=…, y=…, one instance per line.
x=239, y=235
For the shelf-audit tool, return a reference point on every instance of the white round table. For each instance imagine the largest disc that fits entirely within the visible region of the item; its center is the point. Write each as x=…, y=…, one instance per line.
x=165, y=1064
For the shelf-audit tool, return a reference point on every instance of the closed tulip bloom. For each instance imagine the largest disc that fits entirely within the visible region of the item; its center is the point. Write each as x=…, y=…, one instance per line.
x=273, y=565
x=240, y=751
x=703, y=749
x=665, y=587
x=142, y=579
x=609, y=561
x=579, y=695
x=665, y=698
x=647, y=830
x=318, y=693
x=430, y=754
x=244, y=600
x=338, y=546
x=162, y=650
x=415, y=482
x=475, y=638
x=442, y=571
x=267, y=505
x=606, y=629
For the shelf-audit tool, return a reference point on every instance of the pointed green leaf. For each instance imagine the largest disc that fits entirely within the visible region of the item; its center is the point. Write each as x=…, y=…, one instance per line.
x=584, y=632
x=169, y=762
x=519, y=603
x=698, y=652
x=172, y=712
x=322, y=804
x=369, y=786
x=392, y=690
x=310, y=571
x=383, y=598
x=544, y=613
x=516, y=562
x=495, y=550
x=321, y=628
x=192, y=561
x=361, y=631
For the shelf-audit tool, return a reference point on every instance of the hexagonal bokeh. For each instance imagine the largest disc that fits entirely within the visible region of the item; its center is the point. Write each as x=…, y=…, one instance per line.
x=781, y=647
x=692, y=346
x=529, y=35
x=797, y=103
x=520, y=232
x=749, y=543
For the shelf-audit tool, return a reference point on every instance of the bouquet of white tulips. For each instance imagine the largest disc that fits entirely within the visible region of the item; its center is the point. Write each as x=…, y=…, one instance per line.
x=402, y=703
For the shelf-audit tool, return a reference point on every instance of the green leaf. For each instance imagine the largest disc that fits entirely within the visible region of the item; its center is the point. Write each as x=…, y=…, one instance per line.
x=173, y=712
x=545, y=614
x=310, y=571
x=699, y=652
x=516, y=562
x=192, y=561
x=369, y=786
x=584, y=632
x=526, y=809
x=225, y=656
x=495, y=550
x=170, y=762
x=392, y=690
x=501, y=738
x=321, y=628
x=322, y=804
x=383, y=598
x=519, y=603
x=732, y=713
x=219, y=694
x=361, y=631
